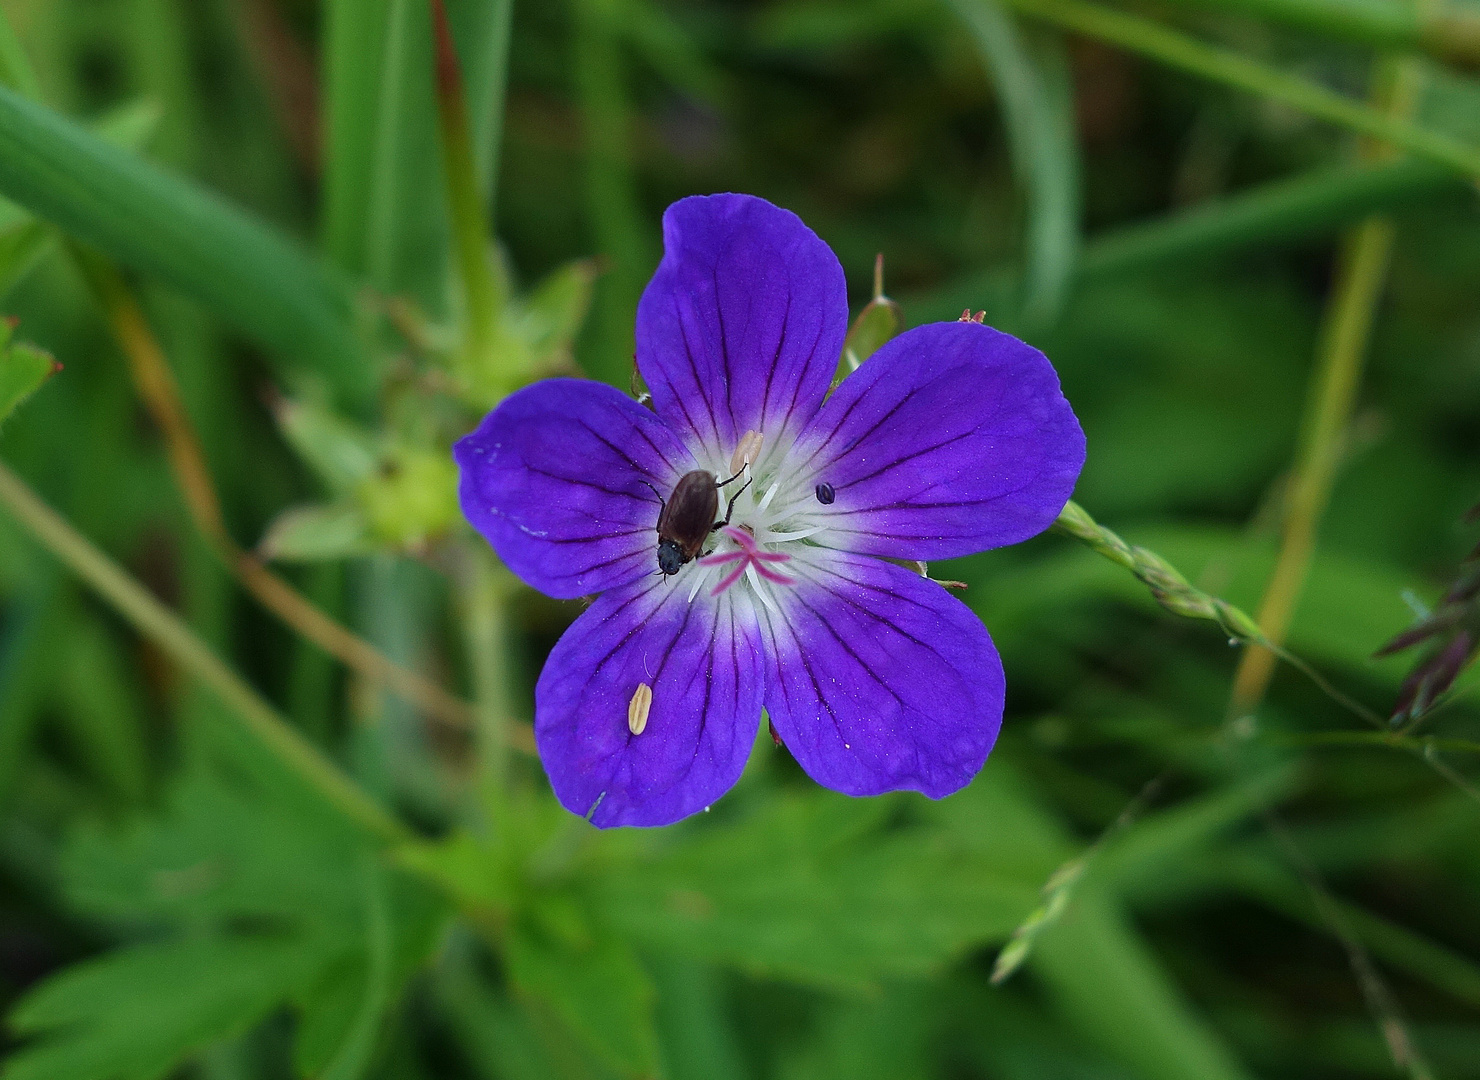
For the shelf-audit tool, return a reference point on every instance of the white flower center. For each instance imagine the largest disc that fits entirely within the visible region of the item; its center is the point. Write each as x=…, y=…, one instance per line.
x=774, y=514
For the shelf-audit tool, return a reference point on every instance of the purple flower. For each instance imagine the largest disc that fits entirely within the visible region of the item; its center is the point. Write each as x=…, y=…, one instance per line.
x=951, y=439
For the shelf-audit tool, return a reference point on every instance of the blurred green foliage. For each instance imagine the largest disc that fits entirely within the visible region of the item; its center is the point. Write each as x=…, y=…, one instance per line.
x=1189, y=895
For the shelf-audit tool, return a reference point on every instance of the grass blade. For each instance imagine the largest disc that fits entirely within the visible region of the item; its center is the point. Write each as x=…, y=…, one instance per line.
x=1233, y=69
x=146, y=218
x=1037, y=111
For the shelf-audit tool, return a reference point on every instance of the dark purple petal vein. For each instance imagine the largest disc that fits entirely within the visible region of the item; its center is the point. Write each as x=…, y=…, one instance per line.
x=554, y=479
x=879, y=680
x=702, y=663
x=741, y=327
x=951, y=439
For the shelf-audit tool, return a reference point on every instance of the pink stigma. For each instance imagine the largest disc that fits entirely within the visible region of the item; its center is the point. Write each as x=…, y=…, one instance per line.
x=750, y=554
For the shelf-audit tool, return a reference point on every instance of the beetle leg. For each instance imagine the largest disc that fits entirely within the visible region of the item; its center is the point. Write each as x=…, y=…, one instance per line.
x=731, y=508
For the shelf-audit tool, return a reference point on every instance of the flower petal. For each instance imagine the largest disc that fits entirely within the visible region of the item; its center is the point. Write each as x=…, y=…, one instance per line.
x=743, y=323
x=878, y=680
x=951, y=439
x=701, y=661
x=554, y=479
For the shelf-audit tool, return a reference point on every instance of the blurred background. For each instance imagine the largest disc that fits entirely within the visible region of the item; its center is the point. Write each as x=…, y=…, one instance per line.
x=267, y=805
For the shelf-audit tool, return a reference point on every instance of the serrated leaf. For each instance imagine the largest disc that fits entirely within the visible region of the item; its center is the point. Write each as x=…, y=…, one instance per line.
x=791, y=894
x=23, y=368
x=554, y=311
x=137, y=1013
x=341, y=453
x=597, y=988
x=316, y=534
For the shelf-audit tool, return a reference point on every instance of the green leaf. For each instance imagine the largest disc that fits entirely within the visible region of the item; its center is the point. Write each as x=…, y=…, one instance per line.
x=808, y=889
x=317, y=534
x=1102, y=976
x=513, y=1037
x=596, y=987
x=695, y=1028
x=1037, y=108
x=23, y=368
x=146, y=218
x=137, y=1013
x=1138, y=861
x=22, y=245
x=1107, y=983
x=1151, y=38
x=340, y=1028
x=101, y=708
x=341, y=453
x=385, y=207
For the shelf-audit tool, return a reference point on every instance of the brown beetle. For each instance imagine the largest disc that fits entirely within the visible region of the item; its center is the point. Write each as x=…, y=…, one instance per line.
x=688, y=517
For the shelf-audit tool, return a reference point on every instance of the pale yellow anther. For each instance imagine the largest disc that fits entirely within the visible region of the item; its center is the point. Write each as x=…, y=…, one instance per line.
x=746, y=453
x=638, y=708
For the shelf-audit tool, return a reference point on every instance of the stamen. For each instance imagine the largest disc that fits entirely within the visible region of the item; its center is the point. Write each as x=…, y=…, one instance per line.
x=763, y=593
x=770, y=494
x=802, y=534
x=639, y=707
x=746, y=452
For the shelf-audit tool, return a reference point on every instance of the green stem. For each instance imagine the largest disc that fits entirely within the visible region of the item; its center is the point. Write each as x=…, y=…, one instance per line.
x=464, y=199
x=487, y=589
x=1361, y=276
x=169, y=632
x=1242, y=73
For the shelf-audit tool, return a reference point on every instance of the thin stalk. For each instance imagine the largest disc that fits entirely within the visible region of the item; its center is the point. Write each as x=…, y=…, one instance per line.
x=487, y=590
x=1361, y=275
x=1359, y=285
x=465, y=201
x=1177, y=50
x=156, y=386
x=166, y=630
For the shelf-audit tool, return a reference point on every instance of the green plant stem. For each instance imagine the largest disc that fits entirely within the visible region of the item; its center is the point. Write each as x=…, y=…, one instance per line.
x=1175, y=593
x=465, y=200
x=487, y=591
x=1177, y=50
x=1361, y=276
x=1360, y=280
x=169, y=632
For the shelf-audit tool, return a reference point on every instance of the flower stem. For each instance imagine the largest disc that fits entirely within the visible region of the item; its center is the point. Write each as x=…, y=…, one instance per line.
x=169, y=632
x=1175, y=593
x=464, y=199
x=487, y=590
x=156, y=386
x=1361, y=275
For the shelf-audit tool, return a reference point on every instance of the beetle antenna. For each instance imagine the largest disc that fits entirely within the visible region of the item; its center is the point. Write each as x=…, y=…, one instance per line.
x=662, y=502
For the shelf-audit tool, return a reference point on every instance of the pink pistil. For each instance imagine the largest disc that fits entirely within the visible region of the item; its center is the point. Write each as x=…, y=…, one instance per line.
x=750, y=554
